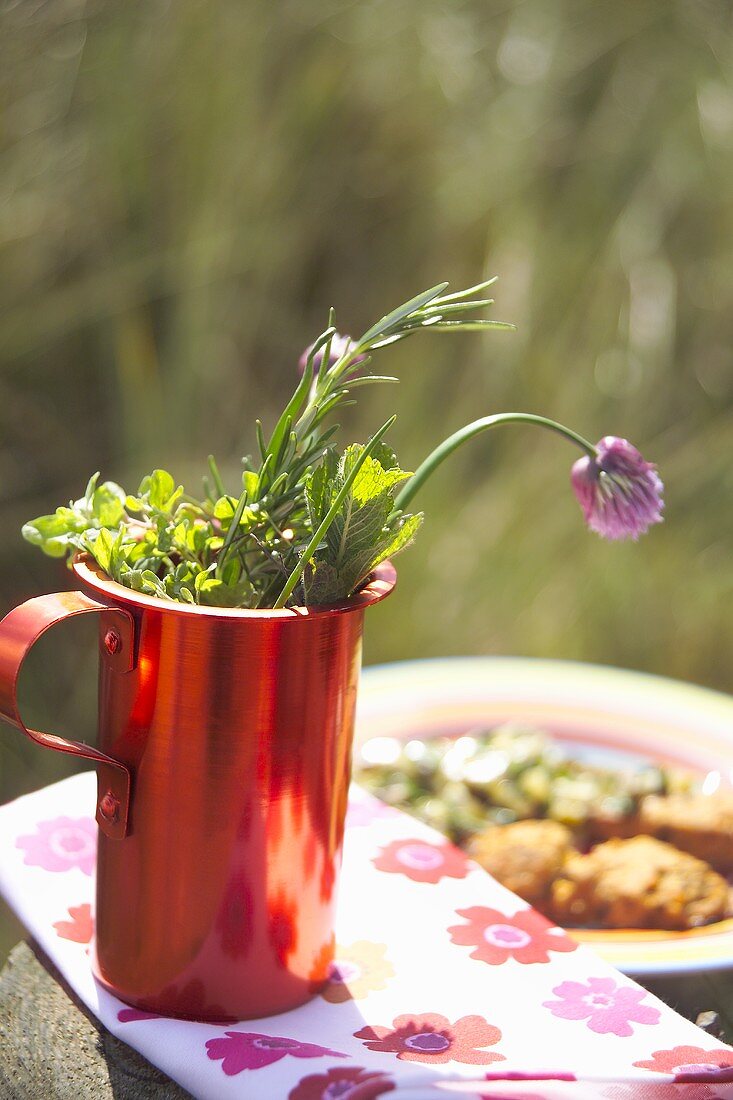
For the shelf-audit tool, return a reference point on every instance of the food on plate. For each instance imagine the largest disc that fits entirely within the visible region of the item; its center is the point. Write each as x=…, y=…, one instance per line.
x=699, y=824
x=526, y=857
x=526, y=809
x=461, y=785
x=639, y=882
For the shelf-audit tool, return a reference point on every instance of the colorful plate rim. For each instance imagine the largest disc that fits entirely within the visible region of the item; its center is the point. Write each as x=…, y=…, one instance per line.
x=633, y=711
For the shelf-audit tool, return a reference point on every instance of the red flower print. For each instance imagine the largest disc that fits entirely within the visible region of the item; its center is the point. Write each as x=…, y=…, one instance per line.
x=61, y=844
x=610, y=1009
x=422, y=861
x=527, y=936
x=692, y=1064
x=80, y=927
x=340, y=1083
x=433, y=1038
x=240, y=1050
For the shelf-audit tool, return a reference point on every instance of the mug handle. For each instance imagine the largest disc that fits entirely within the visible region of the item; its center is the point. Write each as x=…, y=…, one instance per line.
x=19, y=631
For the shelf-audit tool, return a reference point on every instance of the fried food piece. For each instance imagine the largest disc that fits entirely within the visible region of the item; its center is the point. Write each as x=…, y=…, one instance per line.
x=699, y=824
x=524, y=856
x=605, y=826
x=638, y=883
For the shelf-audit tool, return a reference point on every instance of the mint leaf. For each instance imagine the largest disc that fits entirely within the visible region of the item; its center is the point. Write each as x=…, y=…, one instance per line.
x=401, y=535
x=366, y=528
x=321, y=584
x=358, y=531
x=321, y=487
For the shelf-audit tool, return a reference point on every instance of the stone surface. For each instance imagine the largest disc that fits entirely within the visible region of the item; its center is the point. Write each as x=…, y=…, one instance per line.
x=52, y=1048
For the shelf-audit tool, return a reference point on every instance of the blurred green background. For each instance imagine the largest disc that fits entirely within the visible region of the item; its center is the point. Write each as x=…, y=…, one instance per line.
x=186, y=188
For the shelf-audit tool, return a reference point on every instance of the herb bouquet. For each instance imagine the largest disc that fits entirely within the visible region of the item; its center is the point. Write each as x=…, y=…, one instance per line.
x=230, y=640
x=311, y=521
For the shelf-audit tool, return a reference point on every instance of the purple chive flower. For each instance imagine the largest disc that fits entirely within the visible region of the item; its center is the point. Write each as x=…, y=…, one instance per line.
x=340, y=345
x=620, y=493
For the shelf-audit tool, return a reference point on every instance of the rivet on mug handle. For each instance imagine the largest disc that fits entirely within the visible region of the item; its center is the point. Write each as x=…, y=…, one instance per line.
x=19, y=631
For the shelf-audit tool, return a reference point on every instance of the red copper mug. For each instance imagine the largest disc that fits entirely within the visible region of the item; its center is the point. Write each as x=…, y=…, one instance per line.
x=223, y=760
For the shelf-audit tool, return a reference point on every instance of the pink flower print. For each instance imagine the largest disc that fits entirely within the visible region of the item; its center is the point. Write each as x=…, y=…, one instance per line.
x=365, y=810
x=80, y=927
x=61, y=844
x=511, y=1096
x=240, y=1050
x=692, y=1064
x=659, y=1091
x=422, y=861
x=430, y=1037
x=342, y=1083
x=537, y=1075
x=610, y=1009
x=130, y=1015
x=527, y=936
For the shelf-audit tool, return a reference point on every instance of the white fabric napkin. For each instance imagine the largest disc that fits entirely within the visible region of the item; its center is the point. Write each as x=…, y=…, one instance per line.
x=445, y=983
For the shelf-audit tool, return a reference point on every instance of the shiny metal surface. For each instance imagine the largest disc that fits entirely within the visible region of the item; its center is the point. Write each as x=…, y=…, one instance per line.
x=236, y=727
x=19, y=631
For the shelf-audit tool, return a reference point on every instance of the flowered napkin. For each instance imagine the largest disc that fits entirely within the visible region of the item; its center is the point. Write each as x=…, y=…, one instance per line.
x=445, y=983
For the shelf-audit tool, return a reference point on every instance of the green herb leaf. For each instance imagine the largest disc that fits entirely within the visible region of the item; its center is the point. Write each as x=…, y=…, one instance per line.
x=364, y=530
x=51, y=533
x=108, y=504
x=224, y=509
x=159, y=490
x=100, y=545
x=389, y=321
x=310, y=523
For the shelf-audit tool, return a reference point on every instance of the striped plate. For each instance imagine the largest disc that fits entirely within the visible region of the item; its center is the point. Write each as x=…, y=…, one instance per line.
x=600, y=711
